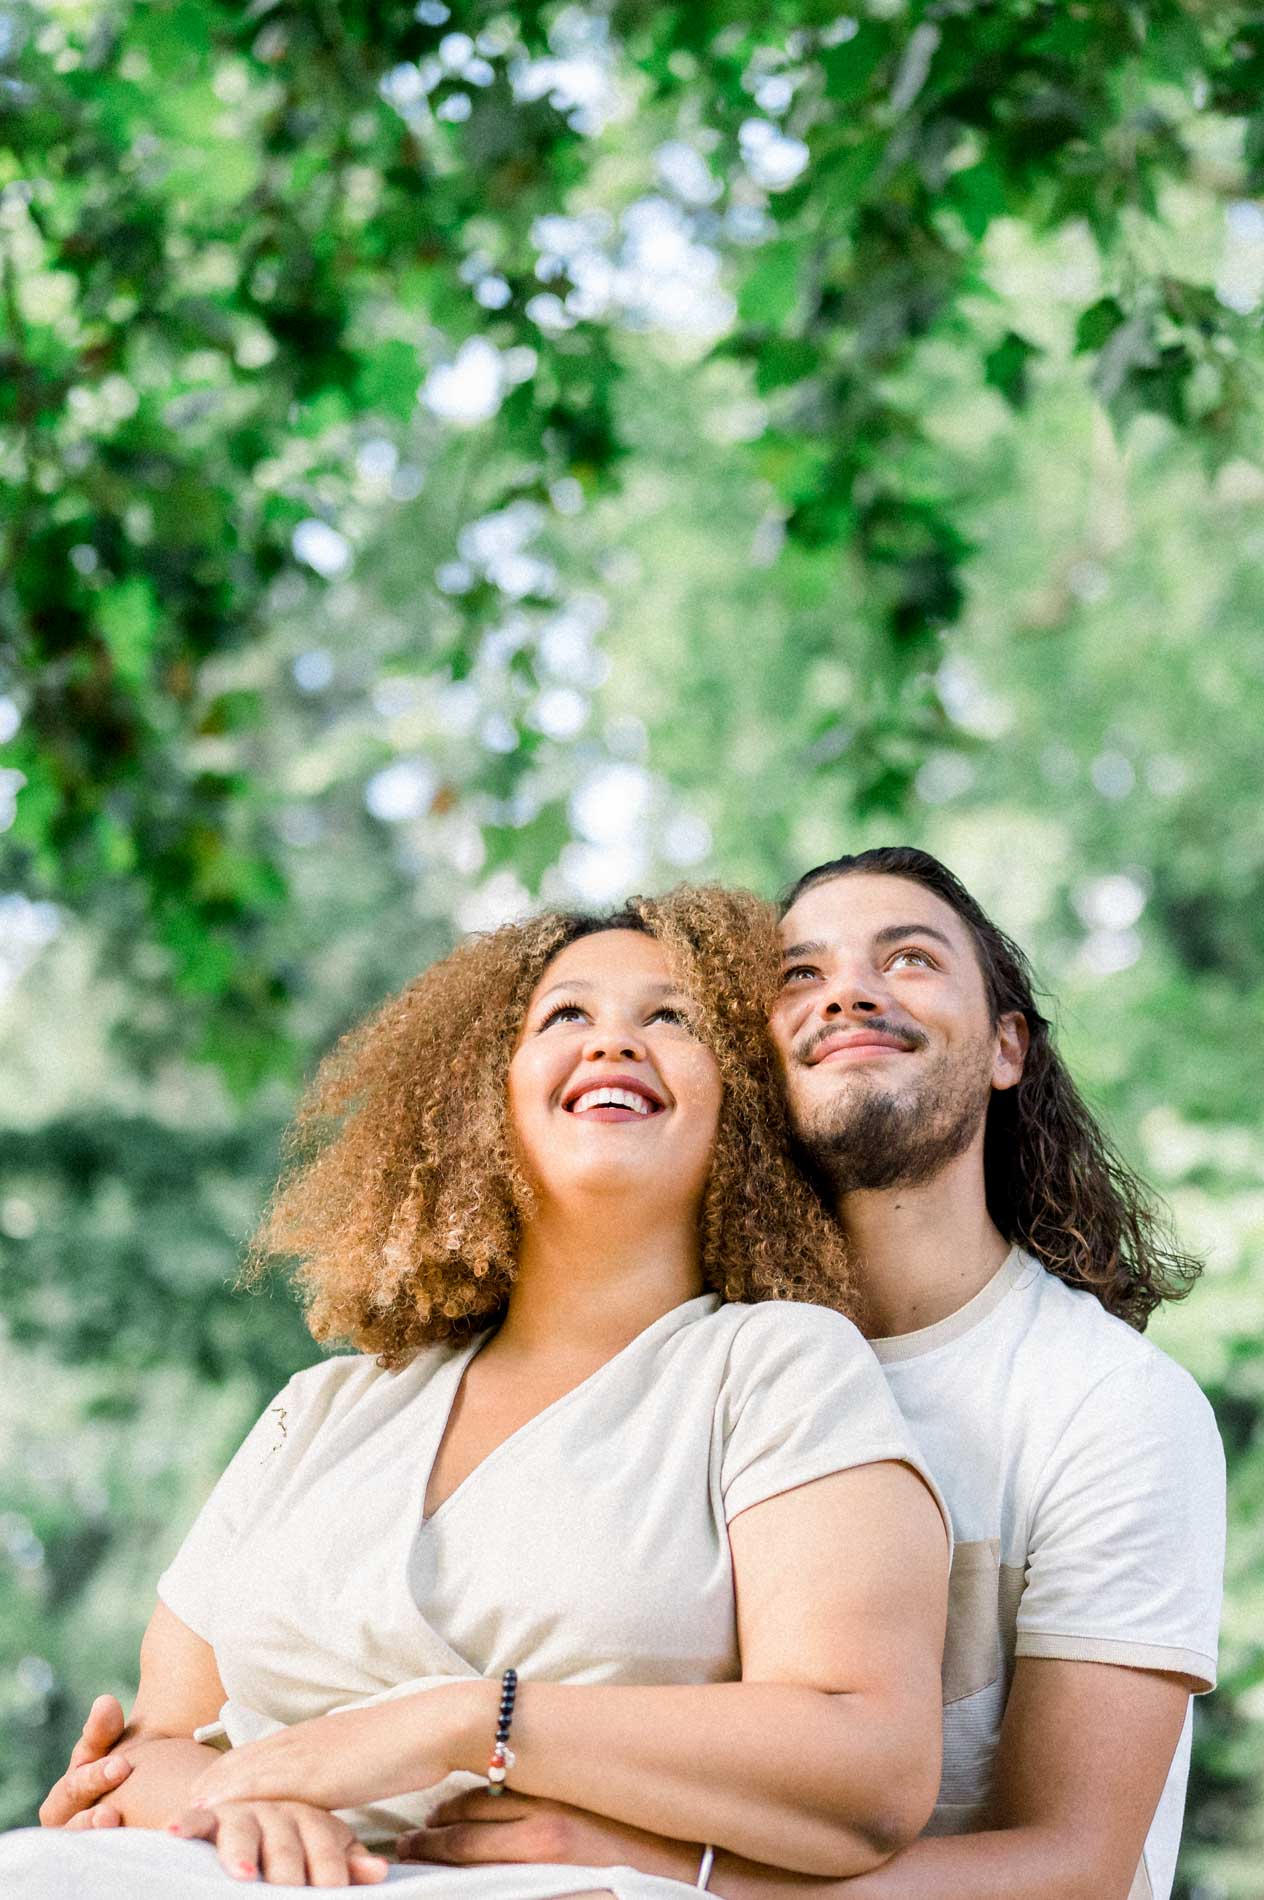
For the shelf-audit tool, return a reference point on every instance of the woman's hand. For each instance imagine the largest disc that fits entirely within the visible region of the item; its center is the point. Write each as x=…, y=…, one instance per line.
x=360, y=1755
x=290, y=1843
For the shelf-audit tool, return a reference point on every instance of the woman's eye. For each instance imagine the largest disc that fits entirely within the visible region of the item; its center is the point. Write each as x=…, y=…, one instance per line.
x=797, y=970
x=563, y=1012
x=668, y=1014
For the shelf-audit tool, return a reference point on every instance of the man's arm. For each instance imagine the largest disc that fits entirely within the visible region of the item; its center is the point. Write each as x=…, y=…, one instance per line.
x=1085, y=1750
x=75, y=1798
x=179, y=1690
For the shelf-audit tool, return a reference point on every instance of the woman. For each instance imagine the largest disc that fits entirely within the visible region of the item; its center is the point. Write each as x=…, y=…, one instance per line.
x=549, y=1187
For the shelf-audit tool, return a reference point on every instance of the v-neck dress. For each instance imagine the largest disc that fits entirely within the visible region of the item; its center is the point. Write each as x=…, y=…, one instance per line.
x=591, y=1546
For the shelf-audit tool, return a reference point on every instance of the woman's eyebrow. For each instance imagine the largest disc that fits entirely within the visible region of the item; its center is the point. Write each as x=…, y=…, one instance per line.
x=578, y=984
x=582, y=983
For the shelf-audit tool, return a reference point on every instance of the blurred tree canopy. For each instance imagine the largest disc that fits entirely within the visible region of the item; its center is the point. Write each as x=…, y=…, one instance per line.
x=454, y=454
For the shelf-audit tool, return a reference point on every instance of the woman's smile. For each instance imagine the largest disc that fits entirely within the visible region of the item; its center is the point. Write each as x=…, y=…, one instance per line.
x=615, y=1098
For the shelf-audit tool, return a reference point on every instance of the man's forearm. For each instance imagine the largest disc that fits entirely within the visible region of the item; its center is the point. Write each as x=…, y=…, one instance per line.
x=1021, y=1863
x=164, y=1768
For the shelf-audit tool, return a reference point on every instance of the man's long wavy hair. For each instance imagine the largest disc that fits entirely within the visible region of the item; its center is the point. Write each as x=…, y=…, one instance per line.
x=1055, y=1183
x=403, y=1193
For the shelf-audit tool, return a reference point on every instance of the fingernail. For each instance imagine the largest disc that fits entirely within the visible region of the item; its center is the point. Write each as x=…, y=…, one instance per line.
x=175, y=1827
x=245, y=1869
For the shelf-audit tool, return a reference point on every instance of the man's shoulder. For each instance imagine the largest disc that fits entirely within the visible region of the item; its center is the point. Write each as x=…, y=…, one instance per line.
x=1088, y=1383
x=1049, y=1367
x=1068, y=1328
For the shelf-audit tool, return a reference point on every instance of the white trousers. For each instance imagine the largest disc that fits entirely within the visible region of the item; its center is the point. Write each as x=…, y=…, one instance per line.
x=132, y=1863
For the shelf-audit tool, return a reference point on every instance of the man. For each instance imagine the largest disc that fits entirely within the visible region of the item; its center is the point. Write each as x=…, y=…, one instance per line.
x=1010, y=1260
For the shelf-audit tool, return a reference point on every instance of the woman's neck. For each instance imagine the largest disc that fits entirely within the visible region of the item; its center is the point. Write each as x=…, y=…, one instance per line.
x=585, y=1287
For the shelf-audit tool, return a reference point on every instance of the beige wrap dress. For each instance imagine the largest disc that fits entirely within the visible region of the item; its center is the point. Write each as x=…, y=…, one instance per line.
x=591, y=1546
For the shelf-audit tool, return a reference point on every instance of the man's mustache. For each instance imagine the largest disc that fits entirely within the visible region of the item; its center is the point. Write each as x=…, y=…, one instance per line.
x=906, y=1037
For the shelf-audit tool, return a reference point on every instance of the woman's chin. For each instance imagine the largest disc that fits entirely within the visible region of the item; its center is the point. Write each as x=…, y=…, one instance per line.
x=614, y=1178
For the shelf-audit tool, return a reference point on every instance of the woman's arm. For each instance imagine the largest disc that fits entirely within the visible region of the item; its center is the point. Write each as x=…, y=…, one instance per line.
x=824, y=1759
x=1084, y=1754
x=179, y=1690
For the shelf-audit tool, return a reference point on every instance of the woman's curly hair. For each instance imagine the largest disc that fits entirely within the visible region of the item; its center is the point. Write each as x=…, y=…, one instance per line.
x=1055, y=1184
x=403, y=1195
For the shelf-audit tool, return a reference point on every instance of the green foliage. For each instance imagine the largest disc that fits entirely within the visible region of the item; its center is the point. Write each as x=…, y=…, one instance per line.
x=867, y=445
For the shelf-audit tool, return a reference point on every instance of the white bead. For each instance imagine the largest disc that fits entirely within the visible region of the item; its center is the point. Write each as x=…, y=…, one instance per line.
x=496, y=1774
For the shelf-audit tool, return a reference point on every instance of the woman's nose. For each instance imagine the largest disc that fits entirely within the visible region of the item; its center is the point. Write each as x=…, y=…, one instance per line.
x=609, y=1045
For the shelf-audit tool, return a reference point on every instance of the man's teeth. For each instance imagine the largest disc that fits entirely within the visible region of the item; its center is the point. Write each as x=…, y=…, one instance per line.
x=612, y=1098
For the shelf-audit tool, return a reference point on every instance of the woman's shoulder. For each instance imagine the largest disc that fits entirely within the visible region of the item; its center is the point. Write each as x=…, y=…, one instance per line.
x=790, y=1343
x=779, y=1325
x=346, y=1381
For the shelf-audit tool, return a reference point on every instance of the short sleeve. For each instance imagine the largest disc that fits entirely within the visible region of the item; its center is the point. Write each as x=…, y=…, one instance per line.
x=804, y=1396
x=188, y=1585
x=1127, y=1537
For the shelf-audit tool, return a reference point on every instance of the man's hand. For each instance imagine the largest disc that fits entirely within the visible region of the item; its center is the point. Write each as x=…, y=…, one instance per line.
x=289, y=1842
x=476, y=1828
x=91, y=1773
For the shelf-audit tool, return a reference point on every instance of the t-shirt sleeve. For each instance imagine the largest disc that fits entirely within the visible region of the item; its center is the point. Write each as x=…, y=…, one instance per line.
x=804, y=1396
x=1127, y=1539
x=189, y=1583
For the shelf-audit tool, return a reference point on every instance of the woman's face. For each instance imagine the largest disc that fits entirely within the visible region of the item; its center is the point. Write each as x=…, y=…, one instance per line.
x=610, y=1090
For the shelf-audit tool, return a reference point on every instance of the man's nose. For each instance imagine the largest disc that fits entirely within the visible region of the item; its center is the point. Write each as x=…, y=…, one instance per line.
x=854, y=993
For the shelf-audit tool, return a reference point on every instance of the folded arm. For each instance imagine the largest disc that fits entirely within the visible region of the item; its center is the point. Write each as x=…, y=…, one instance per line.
x=180, y=1689
x=824, y=1758
x=1083, y=1758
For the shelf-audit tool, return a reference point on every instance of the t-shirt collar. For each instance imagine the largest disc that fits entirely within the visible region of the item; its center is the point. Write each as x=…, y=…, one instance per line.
x=1013, y=1271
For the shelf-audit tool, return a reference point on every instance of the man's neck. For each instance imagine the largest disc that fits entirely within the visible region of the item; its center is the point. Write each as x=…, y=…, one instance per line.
x=923, y=1251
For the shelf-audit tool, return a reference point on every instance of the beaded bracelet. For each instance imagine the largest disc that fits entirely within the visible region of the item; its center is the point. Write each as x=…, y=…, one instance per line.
x=704, y=1868
x=503, y=1757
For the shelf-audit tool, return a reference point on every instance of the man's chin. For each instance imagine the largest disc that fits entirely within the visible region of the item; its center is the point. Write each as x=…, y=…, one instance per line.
x=880, y=1139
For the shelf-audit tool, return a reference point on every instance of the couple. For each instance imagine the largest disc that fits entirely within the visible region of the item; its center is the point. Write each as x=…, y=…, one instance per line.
x=616, y=1439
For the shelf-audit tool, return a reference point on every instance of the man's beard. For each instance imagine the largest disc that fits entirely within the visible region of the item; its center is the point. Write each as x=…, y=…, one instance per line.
x=872, y=1139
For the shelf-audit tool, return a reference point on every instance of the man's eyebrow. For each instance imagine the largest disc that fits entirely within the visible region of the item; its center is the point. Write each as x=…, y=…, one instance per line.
x=890, y=932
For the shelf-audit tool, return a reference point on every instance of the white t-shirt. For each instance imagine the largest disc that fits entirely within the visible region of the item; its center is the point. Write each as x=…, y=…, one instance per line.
x=1085, y=1478
x=591, y=1546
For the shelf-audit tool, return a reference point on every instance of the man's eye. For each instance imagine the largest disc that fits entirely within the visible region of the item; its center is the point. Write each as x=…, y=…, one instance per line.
x=569, y=1012
x=914, y=956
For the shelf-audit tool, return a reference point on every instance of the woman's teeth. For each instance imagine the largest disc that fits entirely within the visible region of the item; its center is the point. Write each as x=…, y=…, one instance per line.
x=612, y=1098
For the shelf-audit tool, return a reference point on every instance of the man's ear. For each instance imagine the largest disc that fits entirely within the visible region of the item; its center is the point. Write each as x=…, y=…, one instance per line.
x=1012, y=1039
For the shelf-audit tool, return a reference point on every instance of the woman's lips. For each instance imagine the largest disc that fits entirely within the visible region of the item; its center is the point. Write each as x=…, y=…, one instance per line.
x=644, y=1100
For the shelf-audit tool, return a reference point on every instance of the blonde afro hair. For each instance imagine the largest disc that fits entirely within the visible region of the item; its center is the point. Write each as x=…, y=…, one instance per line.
x=402, y=1195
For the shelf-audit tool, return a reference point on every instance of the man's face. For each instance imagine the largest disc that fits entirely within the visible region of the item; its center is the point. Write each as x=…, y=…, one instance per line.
x=885, y=1032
